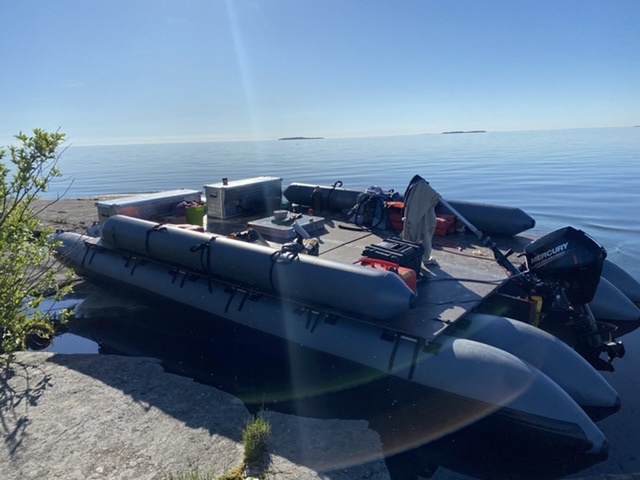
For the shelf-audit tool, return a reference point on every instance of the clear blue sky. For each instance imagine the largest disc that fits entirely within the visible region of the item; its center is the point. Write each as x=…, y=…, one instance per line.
x=125, y=71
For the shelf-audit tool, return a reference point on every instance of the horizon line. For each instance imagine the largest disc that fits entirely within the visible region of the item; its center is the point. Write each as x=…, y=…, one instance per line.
x=204, y=139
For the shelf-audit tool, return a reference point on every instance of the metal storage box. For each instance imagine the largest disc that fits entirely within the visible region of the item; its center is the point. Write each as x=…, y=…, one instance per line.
x=146, y=205
x=243, y=197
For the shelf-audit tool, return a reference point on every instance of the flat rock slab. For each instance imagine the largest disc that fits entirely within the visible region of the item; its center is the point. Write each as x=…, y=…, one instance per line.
x=99, y=417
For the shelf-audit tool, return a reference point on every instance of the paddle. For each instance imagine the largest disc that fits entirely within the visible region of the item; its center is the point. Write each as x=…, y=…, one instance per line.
x=500, y=257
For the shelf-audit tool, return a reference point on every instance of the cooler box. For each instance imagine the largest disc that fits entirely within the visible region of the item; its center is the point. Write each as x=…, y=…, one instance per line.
x=243, y=197
x=446, y=224
x=393, y=249
x=146, y=205
x=395, y=213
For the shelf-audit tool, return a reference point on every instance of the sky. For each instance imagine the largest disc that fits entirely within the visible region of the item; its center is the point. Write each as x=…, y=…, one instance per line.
x=147, y=71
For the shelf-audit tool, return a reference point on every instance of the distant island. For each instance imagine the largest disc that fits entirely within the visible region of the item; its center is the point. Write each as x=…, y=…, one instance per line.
x=302, y=138
x=465, y=131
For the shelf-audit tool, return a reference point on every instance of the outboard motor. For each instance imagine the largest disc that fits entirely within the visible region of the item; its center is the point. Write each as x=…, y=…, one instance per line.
x=565, y=267
x=570, y=257
x=557, y=282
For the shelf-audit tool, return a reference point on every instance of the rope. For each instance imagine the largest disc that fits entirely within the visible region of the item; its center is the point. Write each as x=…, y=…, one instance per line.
x=287, y=254
x=473, y=280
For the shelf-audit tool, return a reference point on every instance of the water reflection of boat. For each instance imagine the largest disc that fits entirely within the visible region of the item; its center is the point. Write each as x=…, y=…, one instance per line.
x=266, y=372
x=464, y=331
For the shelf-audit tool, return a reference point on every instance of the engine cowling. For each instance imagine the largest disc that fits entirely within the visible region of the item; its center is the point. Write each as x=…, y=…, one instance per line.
x=570, y=257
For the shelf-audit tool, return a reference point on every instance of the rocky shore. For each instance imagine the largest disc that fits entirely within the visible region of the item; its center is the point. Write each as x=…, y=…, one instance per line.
x=112, y=417
x=75, y=215
x=78, y=416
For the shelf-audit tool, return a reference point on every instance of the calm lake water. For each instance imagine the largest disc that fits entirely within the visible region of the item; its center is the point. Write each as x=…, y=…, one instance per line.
x=584, y=178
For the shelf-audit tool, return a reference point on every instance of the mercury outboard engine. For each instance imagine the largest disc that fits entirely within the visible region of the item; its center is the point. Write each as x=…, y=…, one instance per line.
x=563, y=270
x=557, y=282
x=571, y=258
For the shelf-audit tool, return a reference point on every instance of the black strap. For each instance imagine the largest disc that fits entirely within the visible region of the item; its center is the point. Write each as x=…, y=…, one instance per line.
x=156, y=228
x=205, y=254
x=285, y=255
x=335, y=185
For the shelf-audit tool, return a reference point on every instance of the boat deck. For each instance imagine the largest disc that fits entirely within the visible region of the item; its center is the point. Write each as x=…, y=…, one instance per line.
x=466, y=272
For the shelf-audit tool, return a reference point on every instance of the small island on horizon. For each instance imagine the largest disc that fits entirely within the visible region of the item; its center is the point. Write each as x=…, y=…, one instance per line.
x=465, y=131
x=301, y=138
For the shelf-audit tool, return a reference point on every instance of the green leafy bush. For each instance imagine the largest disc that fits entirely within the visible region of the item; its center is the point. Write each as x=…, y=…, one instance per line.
x=27, y=268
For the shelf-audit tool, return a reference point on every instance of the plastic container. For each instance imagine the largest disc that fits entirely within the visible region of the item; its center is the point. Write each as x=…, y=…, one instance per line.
x=409, y=275
x=394, y=249
x=195, y=215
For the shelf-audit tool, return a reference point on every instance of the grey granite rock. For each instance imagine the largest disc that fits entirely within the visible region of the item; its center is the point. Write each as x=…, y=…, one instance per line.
x=111, y=417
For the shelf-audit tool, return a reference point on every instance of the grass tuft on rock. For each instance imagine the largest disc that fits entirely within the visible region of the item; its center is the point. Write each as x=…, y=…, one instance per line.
x=254, y=439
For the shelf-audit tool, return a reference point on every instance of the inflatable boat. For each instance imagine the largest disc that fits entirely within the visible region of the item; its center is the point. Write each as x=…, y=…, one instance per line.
x=521, y=340
x=491, y=219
